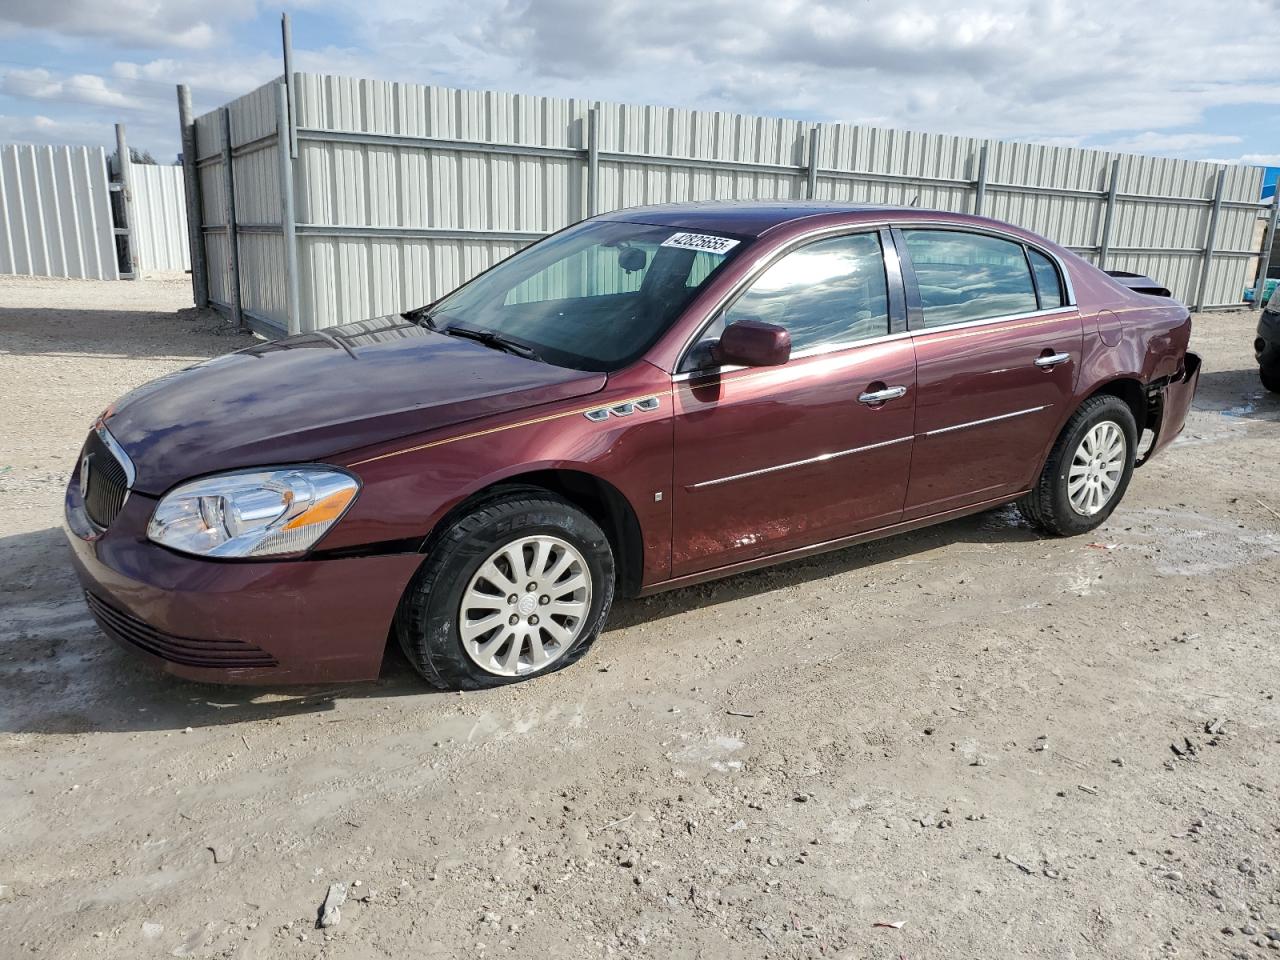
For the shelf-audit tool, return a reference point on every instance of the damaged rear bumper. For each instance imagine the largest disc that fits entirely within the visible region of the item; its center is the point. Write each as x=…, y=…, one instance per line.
x=1171, y=403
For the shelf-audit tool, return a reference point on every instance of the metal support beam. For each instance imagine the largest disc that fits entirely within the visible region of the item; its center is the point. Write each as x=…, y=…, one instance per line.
x=286, y=44
x=288, y=221
x=124, y=167
x=1264, y=261
x=229, y=218
x=191, y=186
x=593, y=161
x=1109, y=215
x=980, y=185
x=1210, y=235
x=811, y=174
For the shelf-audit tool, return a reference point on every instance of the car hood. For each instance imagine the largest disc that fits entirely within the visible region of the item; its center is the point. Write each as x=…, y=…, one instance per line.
x=315, y=395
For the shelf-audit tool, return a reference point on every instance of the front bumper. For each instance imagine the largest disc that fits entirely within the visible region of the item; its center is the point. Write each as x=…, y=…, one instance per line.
x=267, y=622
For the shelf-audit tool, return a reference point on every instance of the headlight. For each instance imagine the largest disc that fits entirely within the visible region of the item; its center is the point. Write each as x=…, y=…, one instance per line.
x=253, y=514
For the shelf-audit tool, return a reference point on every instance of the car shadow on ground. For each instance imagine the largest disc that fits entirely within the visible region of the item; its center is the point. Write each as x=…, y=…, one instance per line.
x=1236, y=393
x=59, y=674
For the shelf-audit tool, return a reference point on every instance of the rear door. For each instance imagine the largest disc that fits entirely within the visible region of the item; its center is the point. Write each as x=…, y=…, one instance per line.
x=769, y=459
x=997, y=349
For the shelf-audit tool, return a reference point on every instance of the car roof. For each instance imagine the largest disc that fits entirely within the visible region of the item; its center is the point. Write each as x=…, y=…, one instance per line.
x=755, y=217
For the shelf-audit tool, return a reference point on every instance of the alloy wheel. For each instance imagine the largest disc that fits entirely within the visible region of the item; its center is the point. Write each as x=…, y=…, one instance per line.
x=526, y=606
x=1096, y=468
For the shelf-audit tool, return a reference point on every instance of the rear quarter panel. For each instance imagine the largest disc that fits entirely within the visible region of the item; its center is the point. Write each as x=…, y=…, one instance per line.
x=1127, y=335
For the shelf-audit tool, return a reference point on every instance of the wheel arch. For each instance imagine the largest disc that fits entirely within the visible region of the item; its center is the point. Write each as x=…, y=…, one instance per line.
x=1131, y=390
x=1128, y=388
x=593, y=495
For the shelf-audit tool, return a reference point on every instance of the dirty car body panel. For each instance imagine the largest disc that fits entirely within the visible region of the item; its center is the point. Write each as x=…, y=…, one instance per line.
x=907, y=399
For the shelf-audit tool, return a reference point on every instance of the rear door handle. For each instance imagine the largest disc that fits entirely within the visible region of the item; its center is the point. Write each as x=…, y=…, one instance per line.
x=1052, y=360
x=881, y=396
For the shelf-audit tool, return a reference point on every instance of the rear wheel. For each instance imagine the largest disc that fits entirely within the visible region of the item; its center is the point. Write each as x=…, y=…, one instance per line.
x=1088, y=469
x=519, y=587
x=1270, y=377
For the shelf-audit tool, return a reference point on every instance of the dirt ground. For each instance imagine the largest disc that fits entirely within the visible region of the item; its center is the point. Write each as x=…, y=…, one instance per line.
x=969, y=730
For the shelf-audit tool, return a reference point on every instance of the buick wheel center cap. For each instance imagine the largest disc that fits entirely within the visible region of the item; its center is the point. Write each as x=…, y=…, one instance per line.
x=528, y=603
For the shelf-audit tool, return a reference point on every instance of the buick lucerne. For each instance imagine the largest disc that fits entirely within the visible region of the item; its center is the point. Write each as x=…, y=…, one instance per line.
x=647, y=399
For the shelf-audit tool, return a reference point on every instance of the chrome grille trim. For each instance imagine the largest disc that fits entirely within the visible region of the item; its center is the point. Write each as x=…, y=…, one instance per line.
x=106, y=476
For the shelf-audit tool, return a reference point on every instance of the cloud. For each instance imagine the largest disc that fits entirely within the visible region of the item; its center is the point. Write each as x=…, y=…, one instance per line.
x=1252, y=160
x=81, y=88
x=1150, y=141
x=1089, y=73
x=41, y=129
x=137, y=23
x=222, y=77
x=1005, y=68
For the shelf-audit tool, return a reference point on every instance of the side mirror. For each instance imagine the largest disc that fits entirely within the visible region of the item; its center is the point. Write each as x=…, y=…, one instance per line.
x=753, y=343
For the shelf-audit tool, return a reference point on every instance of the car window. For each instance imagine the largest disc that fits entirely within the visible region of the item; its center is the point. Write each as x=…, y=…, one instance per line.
x=1047, y=280
x=596, y=271
x=968, y=276
x=595, y=296
x=832, y=291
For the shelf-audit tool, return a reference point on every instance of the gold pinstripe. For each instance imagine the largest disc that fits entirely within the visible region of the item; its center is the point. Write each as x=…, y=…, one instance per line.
x=508, y=426
x=956, y=335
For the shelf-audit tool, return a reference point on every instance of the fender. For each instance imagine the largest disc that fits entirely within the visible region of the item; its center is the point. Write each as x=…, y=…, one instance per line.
x=416, y=482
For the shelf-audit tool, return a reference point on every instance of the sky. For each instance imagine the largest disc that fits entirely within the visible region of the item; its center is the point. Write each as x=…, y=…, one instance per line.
x=1182, y=78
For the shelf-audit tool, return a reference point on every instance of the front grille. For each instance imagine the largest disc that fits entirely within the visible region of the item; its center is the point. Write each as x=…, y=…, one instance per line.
x=104, y=481
x=184, y=650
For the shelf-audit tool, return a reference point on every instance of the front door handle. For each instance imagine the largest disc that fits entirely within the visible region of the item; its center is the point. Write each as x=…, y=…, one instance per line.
x=1052, y=360
x=882, y=396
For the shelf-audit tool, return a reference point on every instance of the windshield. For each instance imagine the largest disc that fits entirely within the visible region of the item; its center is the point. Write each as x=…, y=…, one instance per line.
x=593, y=297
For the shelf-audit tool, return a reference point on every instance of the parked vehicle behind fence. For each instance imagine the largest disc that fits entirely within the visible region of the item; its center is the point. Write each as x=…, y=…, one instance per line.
x=646, y=400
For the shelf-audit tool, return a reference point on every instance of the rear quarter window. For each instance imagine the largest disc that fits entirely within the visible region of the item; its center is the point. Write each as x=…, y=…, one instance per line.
x=1048, y=281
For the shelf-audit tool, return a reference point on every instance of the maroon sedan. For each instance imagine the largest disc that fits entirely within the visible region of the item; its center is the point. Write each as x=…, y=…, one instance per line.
x=645, y=400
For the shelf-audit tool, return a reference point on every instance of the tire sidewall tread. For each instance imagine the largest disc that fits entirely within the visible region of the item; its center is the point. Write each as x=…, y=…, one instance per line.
x=427, y=621
x=1047, y=505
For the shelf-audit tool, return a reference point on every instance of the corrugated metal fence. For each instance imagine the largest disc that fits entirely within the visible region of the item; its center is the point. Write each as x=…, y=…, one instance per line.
x=55, y=212
x=400, y=192
x=63, y=215
x=159, y=230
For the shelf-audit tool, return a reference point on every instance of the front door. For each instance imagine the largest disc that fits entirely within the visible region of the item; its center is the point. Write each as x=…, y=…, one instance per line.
x=774, y=458
x=997, y=349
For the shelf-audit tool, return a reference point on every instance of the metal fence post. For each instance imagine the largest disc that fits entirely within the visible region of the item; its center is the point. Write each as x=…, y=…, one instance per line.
x=229, y=218
x=286, y=43
x=1210, y=236
x=593, y=161
x=124, y=166
x=1264, y=260
x=191, y=187
x=811, y=184
x=980, y=185
x=1109, y=215
x=288, y=222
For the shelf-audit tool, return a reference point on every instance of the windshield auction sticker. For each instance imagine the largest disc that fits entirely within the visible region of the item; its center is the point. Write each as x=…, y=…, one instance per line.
x=700, y=241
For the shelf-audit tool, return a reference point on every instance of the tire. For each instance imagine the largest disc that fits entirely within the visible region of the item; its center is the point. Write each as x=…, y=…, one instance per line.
x=1049, y=504
x=513, y=527
x=1270, y=377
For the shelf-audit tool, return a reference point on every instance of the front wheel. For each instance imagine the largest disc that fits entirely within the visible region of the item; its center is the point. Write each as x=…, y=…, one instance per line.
x=519, y=587
x=1088, y=469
